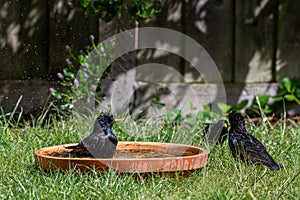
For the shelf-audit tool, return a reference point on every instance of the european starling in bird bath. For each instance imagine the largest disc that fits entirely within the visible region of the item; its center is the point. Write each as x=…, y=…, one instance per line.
x=216, y=133
x=101, y=143
x=246, y=147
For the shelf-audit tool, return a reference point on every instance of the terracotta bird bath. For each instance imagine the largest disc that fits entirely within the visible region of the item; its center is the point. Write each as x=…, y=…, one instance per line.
x=130, y=157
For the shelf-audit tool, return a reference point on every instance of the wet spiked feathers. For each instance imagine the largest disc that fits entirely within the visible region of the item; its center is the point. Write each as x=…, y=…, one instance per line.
x=246, y=147
x=105, y=121
x=237, y=121
x=101, y=143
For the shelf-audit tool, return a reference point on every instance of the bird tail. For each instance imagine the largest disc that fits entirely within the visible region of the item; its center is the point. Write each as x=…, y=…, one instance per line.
x=273, y=166
x=71, y=146
x=78, y=150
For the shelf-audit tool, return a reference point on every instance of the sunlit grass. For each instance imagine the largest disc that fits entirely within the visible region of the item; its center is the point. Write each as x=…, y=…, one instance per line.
x=222, y=178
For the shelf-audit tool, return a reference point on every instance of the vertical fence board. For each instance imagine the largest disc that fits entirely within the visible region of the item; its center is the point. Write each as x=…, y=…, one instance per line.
x=68, y=27
x=32, y=44
x=210, y=24
x=287, y=63
x=23, y=42
x=254, y=41
x=170, y=18
x=108, y=30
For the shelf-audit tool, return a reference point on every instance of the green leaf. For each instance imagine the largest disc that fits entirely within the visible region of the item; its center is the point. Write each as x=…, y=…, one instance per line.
x=139, y=10
x=267, y=110
x=178, y=116
x=168, y=116
x=289, y=97
x=80, y=59
x=207, y=107
x=83, y=3
x=297, y=92
x=204, y=116
x=56, y=94
x=160, y=105
x=224, y=107
x=241, y=105
x=191, y=106
x=155, y=99
x=278, y=98
x=263, y=99
x=177, y=111
x=286, y=84
x=255, y=107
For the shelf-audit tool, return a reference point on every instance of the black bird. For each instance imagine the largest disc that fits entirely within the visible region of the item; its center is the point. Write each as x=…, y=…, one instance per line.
x=101, y=143
x=246, y=147
x=216, y=133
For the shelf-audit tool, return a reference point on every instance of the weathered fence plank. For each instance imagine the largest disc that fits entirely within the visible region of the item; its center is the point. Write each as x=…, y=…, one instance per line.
x=287, y=62
x=242, y=37
x=32, y=95
x=254, y=41
x=170, y=18
x=23, y=39
x=67, y=27
x=210, y=23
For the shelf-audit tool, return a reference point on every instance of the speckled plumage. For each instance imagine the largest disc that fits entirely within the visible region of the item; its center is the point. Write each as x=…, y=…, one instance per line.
x=101, y=143
x=245, y=146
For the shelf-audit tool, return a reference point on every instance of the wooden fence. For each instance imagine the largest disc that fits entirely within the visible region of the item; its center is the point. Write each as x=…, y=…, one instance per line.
x=250, y=41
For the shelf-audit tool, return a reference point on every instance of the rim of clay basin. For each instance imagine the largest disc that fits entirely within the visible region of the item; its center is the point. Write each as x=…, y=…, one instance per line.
x=202, y=150
x=177, y=163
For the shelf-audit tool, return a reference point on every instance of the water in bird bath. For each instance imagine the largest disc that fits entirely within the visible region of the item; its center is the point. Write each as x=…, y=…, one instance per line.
x=138, y=153
x=151, y=153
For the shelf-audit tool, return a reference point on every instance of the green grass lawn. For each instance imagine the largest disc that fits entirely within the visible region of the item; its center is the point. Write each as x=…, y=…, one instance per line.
x=222, y=178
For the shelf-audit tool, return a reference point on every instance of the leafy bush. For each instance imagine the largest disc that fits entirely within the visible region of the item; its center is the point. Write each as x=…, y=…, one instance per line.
x=260, y=103
x=108, y=9
x=104, y=9
x=289, y=90
x=142, y=10
x=70, y=79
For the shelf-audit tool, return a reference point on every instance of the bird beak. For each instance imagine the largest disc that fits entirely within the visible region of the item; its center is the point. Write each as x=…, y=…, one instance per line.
x=226, y=114
x=118, y=120
x=225, y=125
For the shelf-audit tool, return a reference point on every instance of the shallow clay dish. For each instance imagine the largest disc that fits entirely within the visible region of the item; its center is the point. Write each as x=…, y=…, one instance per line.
x=133, y=157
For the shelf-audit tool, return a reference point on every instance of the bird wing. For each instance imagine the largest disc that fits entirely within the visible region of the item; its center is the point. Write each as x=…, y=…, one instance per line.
x=87, y=143
x=100, y=146
x=257, y=153
x=97, y=145
x=254, y=150
x=241, y=140
x=236, y=143
x=91, y=141
x=78, y=148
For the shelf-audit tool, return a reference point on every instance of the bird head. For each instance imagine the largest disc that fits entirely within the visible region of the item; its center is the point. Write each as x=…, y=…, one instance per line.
x=106, y=121
x=236, y=119
x=221, y=124
x=224, y=123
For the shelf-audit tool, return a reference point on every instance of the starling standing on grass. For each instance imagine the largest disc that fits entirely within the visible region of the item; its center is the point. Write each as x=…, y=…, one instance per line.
x=245, y=146
x=216, y=133
x=101, y=143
